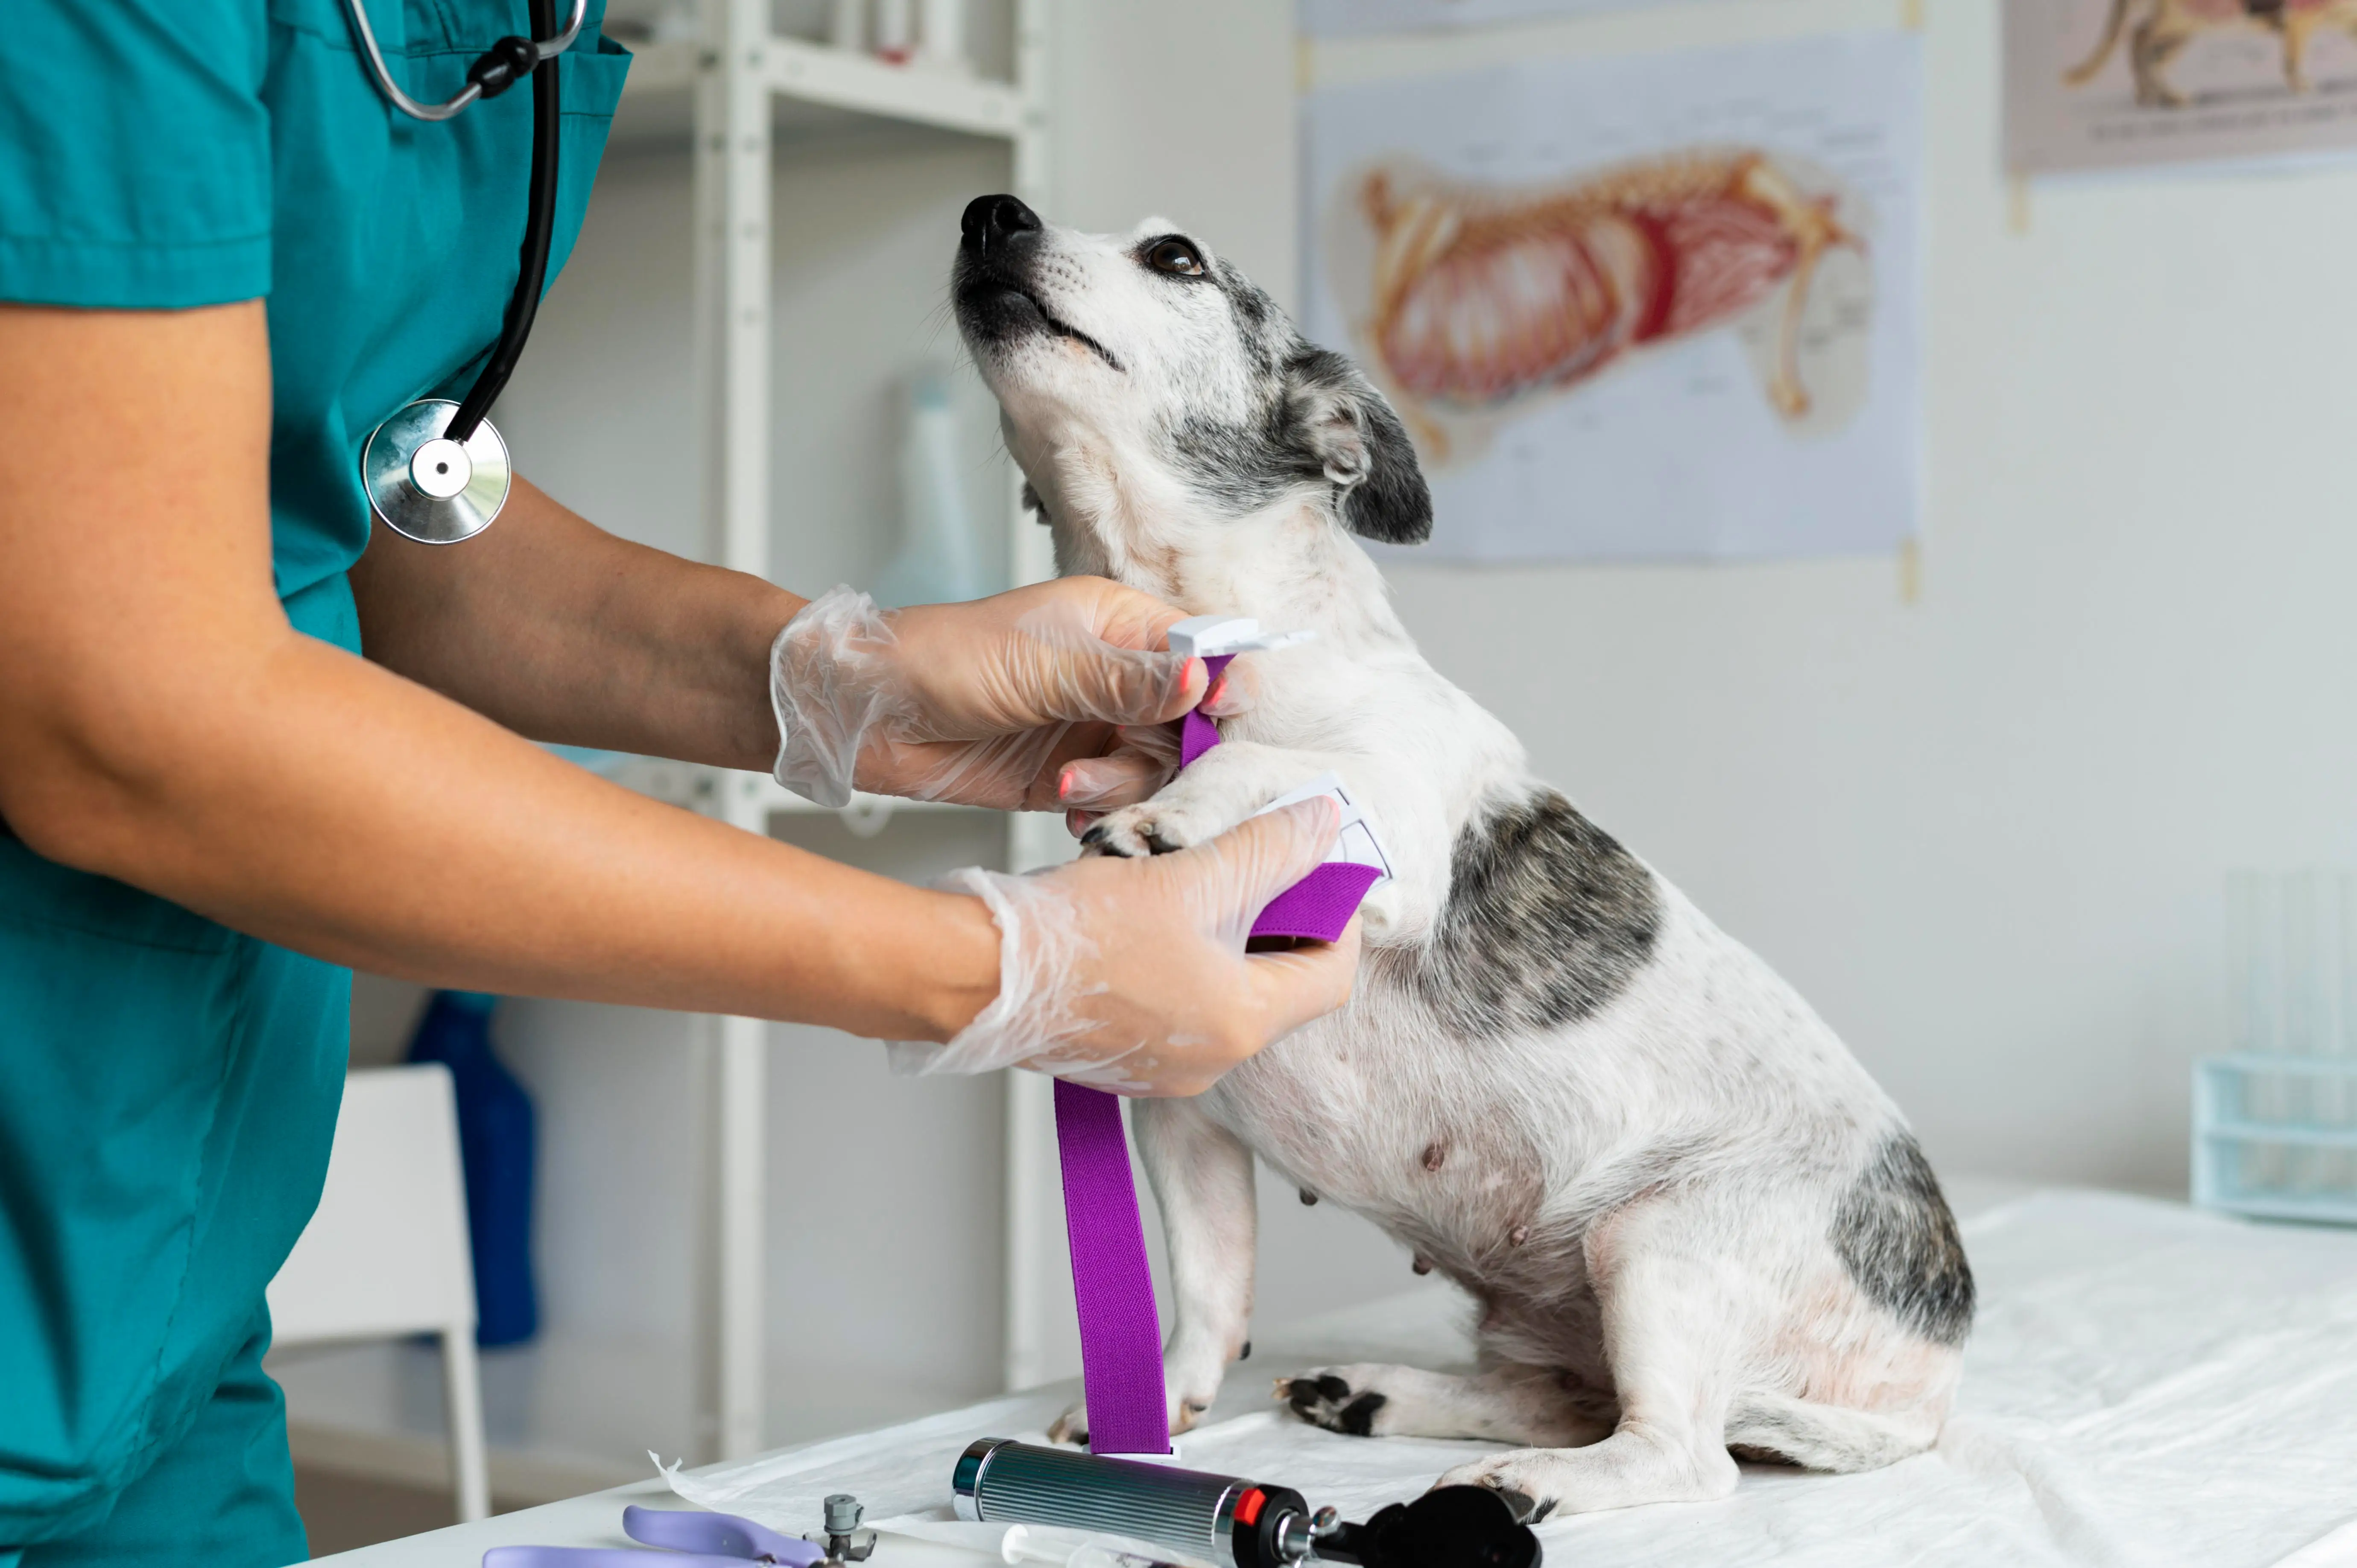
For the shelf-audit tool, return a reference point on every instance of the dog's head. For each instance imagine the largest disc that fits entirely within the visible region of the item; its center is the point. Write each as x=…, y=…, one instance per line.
x=1145, y=361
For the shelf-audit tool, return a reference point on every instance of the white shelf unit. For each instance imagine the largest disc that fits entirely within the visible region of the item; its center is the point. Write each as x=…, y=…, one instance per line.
x=737, y=79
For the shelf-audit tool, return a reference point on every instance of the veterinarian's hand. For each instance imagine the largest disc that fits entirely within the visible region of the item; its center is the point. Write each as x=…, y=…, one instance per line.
x=1016, y=701
x=1131, y=974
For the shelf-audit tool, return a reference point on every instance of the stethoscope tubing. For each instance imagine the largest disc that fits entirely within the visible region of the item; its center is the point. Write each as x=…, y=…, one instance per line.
x=428, y=483
x=540, y=225
x=450, y=107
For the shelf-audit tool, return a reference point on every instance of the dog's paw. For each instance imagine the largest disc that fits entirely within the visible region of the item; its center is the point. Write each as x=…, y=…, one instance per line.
x=1071, y=1428
x=1337, y=1399
x=1523, y=1478
x=1152, y=827
x=1186, y=1408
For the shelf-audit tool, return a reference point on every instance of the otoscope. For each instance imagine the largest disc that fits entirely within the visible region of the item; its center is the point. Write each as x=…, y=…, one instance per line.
x=1225, y=1519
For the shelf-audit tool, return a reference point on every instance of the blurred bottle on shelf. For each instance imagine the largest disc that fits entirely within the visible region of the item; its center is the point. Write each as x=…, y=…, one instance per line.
x=939, y=559
x=928, y=33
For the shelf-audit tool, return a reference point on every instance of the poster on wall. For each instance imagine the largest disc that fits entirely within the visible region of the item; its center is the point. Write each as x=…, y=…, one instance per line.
x=1659, y=307
x=1346, y=19
x=2095, y=84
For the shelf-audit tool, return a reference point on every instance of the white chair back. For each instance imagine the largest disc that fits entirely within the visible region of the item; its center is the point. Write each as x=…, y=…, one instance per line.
x=387, y=1254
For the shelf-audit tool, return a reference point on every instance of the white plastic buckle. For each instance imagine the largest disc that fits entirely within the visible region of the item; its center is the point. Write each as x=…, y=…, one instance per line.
x=1216, y=637
x=1358, y=842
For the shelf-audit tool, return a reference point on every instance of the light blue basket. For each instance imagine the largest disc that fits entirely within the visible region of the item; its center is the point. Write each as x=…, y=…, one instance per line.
x=2275, y=1122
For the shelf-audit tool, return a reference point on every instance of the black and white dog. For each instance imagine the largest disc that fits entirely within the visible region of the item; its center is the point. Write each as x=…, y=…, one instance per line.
x=1695, y=1227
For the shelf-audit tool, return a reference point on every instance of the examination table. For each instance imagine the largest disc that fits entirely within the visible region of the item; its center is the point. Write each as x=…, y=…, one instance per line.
x=2145, y=1384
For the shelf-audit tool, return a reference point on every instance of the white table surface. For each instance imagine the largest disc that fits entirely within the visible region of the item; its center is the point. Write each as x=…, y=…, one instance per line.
x=595, y=1518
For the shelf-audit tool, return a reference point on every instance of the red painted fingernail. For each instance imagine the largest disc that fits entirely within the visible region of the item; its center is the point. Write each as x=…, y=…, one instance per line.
x=1218, y=690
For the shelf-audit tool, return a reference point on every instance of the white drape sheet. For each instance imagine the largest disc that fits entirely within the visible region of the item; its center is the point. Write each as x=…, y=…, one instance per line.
x=2146, y=1385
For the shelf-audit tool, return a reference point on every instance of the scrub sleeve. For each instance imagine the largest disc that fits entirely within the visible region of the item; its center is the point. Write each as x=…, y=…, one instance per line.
x=168, y=1086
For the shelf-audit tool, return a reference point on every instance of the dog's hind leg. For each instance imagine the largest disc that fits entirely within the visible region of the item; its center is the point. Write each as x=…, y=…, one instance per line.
x=2157, y=40
x=2084, y=71
x=1524, y=1405
x=1675, y=1309
x=1824, y=1436
x=1202, y=1179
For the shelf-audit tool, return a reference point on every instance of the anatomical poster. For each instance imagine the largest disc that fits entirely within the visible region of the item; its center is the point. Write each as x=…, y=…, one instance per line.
x=2094, y=84
x=1657, y=306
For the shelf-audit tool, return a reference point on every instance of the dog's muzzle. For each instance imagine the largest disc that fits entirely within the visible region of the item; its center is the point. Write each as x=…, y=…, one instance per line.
x=991, y=224
x=998, y=242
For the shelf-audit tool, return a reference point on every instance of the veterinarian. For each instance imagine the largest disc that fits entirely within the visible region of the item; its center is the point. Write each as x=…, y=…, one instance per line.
x=246, y=742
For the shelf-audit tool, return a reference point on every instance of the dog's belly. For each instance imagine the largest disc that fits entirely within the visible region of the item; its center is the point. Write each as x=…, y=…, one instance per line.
x=1434, y=1147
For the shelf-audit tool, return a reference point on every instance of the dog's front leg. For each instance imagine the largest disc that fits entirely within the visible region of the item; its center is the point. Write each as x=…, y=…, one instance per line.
x=1202, y=1179
x=1220, y=790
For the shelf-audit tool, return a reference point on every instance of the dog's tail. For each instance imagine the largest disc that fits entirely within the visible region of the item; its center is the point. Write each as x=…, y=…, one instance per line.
x=1824, y=1437
x=2084, y=71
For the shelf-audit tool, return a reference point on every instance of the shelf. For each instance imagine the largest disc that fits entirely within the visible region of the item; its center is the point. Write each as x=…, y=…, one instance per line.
x=2320, y=1208
x=2278, y=1062
x=824, y=92
x=2306, y=1135
x=697, y=788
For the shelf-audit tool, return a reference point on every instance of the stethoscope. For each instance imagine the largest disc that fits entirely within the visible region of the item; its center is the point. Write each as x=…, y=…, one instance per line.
x=437, y=471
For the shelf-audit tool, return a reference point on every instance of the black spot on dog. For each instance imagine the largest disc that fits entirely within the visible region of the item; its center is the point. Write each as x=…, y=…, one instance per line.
x=1322, y=424
x=1894, y=1233
x=1548, y=918
x=1244, y=1354
x=1329, y=1402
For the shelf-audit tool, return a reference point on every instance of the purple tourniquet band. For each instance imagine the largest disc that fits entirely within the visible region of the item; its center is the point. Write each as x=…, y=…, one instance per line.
x=1197, y=733
x=1121, y=1335
x=1319, y=904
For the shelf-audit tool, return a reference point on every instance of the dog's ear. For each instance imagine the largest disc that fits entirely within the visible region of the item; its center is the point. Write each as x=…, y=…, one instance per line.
x=1348, y=430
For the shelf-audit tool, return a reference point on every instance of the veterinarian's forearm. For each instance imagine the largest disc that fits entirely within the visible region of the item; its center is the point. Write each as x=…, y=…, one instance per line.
x=427, y=843
x=562, y=632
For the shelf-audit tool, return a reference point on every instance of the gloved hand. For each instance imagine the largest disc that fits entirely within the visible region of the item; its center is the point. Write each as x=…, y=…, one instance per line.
x=1131, y=974
x=1015, y=700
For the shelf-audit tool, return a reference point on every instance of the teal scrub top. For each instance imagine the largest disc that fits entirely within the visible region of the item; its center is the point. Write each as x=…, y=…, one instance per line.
x=168, y=1086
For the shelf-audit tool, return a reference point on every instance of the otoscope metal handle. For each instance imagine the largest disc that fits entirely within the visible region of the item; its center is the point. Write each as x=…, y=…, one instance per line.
x=1218, y=1518
x=1225, y=1519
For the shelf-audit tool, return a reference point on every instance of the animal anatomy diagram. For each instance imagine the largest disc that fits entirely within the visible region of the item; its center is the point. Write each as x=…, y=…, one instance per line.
x=2164, y=27
x=1478, y=299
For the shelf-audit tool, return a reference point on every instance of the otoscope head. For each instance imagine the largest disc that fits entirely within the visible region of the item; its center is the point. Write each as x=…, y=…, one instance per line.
x=1455, y=1527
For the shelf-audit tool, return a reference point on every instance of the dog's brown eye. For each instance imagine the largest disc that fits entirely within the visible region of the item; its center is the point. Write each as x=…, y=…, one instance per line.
x=1175, y=256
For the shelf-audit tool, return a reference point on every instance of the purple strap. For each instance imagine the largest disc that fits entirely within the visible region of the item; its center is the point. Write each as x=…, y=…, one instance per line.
x=1121, y=1335
x=1319, y=904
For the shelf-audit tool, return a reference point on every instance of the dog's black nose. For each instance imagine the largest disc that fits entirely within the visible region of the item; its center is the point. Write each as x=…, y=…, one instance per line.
x=991, y=221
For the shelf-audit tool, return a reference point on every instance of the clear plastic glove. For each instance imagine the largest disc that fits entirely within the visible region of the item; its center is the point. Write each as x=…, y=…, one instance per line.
x=1018, y=700
x=1131, y=974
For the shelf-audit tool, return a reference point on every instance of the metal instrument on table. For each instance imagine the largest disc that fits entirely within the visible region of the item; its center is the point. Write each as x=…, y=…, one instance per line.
x=1221, y=1519
x=700, y=1539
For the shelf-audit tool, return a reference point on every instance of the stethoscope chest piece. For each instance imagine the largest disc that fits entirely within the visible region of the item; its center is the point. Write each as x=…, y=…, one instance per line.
x=428, y=488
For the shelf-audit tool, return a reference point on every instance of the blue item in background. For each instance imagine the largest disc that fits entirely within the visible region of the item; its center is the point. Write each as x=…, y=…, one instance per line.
x=496, y=1143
